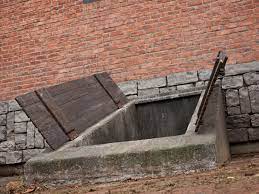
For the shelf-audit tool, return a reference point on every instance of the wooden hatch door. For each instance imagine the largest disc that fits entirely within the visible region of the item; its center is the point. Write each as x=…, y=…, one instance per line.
x=64, y=111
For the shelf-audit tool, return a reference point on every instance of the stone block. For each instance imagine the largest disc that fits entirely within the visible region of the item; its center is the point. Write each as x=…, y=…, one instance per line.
x=245, y=104
x=20, y=127
x=232, y=97
x=218, y=82
x=148, y=92
x=20, y=116
x=232, y=82
x=244, y=148
x=242, y=68
x=251, y=78
x=152, y=83
x=185, y=87
x=30, y=135
x=253, y=134
x=200, y=84
x=14, y=106
x=238, y=121
x=234, y=110
x=2, y=157
x=3, y=133
x=39, y=140
x=129, y=87
x=204, y=74
x=254, y=97
x=7, y=146
x=237, y=135
x=3, y=120
x=20, y=141
x=182, y=78
x=46, y=144
x=10, y=120
x=255, y=120
x=3, y=107
x=29, y=153
x=167, y=89
x=13, y=157
x=10, y=126
x=132, y=97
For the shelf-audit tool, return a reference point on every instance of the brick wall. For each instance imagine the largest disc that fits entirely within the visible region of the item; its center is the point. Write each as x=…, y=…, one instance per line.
x=47, y=42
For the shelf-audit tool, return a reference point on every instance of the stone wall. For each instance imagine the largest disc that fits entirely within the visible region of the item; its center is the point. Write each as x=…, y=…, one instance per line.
x=19, y=138
x=241, y=89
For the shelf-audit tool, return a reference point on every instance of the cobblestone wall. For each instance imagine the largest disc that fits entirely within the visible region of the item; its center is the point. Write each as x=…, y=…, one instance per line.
x=19, y=138
x=241, y=88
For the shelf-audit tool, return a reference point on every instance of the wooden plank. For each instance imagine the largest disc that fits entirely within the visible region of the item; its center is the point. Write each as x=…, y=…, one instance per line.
x=44, y=121
x=27, y=99
x=76, y=92
x=36, y=111
x=96, y=97
x=54, y=110
x=52, y=132
x=65, y=87
x=112, y=89
x=93, y=115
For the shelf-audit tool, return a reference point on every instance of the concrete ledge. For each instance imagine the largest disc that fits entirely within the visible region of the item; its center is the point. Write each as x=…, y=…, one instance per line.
x=170, y=95
x=245, y=148
x=119, y=161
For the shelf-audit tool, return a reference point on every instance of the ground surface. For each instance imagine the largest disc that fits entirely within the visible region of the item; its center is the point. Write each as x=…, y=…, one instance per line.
x=240, y=176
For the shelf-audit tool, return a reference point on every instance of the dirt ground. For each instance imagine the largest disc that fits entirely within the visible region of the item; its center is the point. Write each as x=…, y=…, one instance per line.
x=240, y=176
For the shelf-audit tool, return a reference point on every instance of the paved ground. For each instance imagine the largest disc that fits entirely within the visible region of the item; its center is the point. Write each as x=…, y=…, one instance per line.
x=241, y=176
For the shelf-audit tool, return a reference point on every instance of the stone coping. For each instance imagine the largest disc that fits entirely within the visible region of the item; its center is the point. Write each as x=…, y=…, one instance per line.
x=121, y=160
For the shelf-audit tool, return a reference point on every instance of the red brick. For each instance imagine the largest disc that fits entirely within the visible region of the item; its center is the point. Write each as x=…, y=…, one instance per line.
x=45, y=43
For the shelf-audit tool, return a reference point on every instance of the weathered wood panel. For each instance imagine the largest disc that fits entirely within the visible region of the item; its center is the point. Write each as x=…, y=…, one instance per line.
x=27, y=99
x=54, y=109
x=65, y=87
x=63, y=111
x=97, y=113
x=72, y=93
x=96, y=97
x=112, y=89
x=43, y=120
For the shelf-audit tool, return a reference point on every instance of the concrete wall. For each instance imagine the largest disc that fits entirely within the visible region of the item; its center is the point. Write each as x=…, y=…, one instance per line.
x=214, y=123
x=165, y=117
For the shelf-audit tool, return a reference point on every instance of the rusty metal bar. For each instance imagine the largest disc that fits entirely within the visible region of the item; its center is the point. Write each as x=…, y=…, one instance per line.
x=219, y=69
